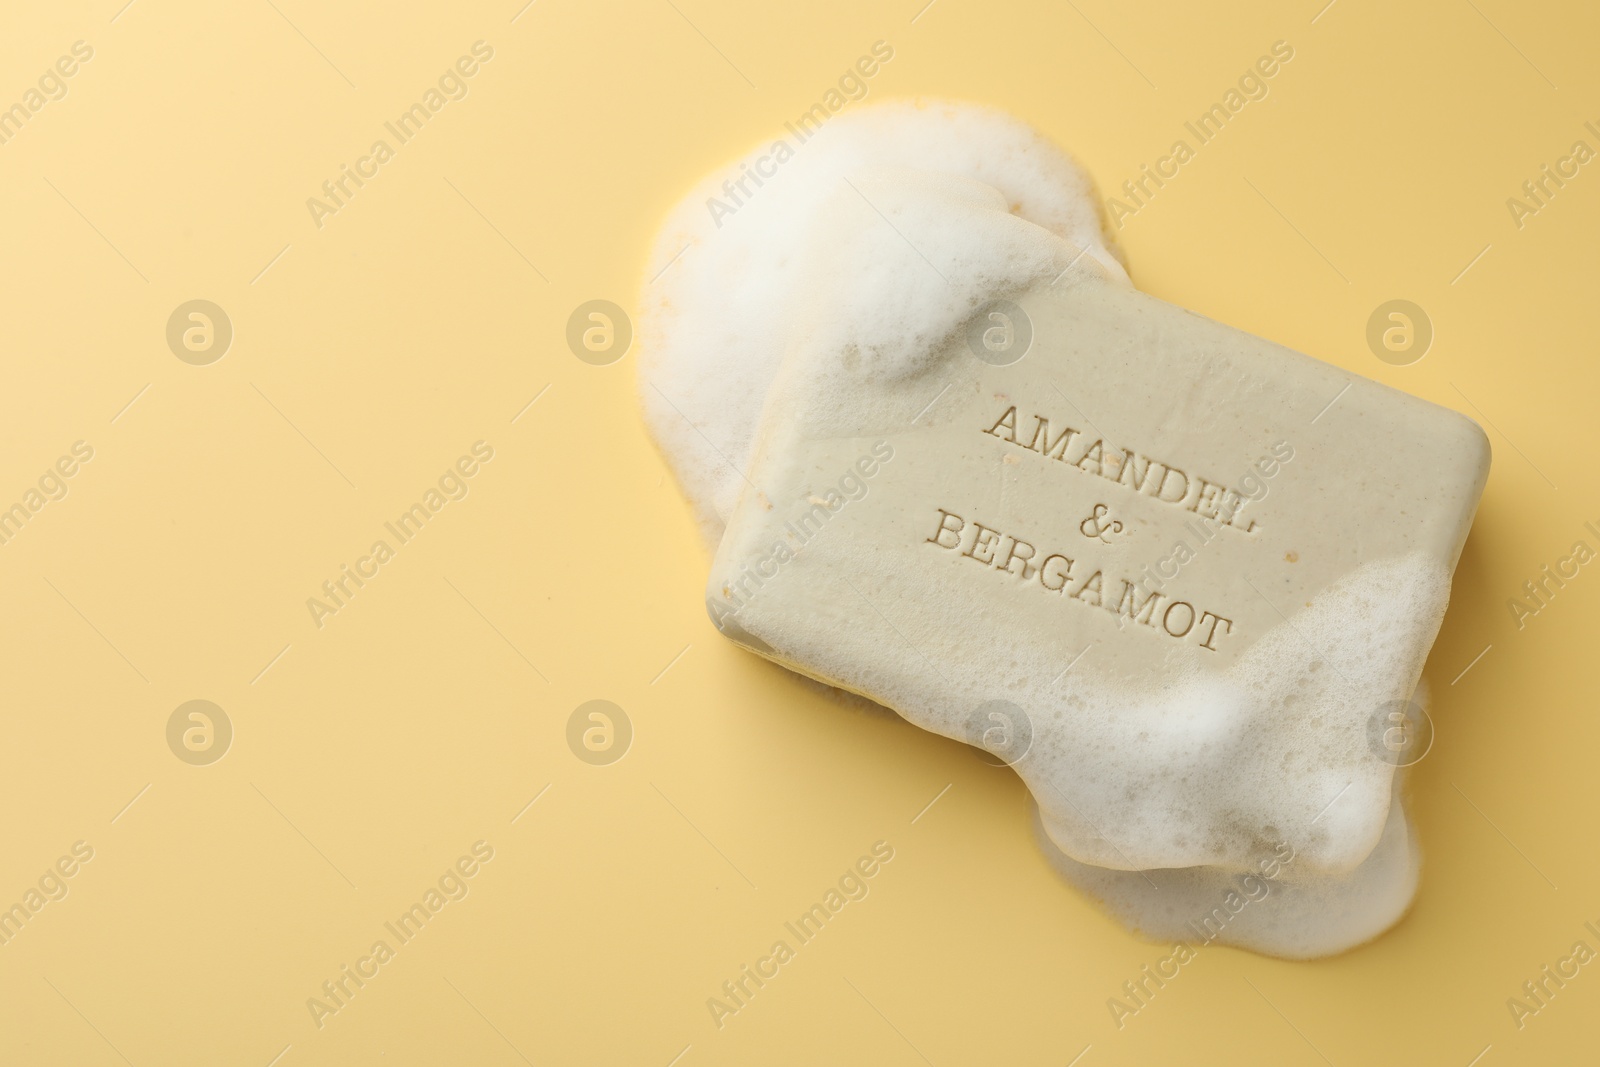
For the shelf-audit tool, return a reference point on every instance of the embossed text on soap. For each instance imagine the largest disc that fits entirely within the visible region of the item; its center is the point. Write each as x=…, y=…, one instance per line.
x=1071, y=580
x=1141, y=474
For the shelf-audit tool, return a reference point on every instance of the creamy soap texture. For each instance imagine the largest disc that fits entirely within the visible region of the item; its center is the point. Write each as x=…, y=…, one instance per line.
x=1170, y=572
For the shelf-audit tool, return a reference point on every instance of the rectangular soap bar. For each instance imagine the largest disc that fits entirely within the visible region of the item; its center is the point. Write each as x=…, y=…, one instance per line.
x=1168, y=543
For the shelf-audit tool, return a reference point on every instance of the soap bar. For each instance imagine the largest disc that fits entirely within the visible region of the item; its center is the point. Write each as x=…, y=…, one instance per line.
x=1174, y=574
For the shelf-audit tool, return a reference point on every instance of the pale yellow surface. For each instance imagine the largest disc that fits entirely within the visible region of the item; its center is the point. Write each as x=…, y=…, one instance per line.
x=426, y=714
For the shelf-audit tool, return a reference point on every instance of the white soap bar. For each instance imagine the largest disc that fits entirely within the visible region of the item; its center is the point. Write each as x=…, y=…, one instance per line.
x=839, y=260
x=1170, y=571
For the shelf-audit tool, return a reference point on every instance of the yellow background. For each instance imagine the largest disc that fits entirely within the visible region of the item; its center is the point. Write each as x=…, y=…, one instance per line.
x=370, y=753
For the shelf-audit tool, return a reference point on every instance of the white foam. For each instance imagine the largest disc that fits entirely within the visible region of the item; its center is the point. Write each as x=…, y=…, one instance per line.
x=714, y=323
x=1278, y=907
x=818, y=304
x=1219, y=768
x=1290, y=914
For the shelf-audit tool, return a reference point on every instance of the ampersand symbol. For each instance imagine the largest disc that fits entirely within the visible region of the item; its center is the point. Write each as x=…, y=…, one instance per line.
x=1095, y=525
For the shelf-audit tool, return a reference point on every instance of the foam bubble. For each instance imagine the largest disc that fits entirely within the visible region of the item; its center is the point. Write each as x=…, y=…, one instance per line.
x=714, y=324
x=1286, y=914
x=1275, y=907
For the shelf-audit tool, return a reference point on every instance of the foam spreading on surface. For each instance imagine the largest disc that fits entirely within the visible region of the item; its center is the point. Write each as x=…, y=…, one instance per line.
x=1276, y=906
x=803, y=292
x=719, y=303
x=1214, y=769
x=1272, y=907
